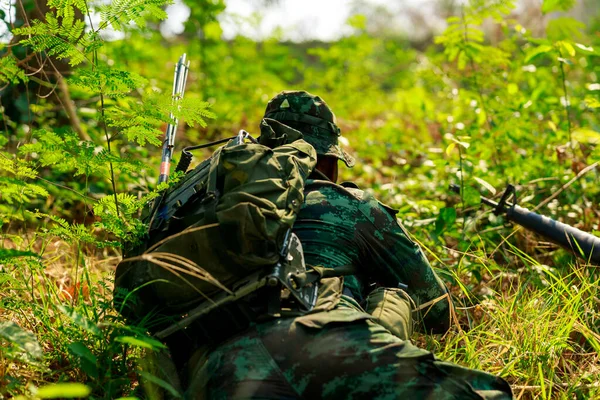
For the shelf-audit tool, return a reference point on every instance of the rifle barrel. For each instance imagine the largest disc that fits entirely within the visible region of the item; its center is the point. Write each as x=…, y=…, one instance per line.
x=580, y=243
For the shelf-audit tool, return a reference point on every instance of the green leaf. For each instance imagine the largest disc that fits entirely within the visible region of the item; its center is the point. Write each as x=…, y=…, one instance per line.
x=63, y=390
x=82, y=351
x=461, y=143
x=566, y=47
x=481, y=117
x=588, y=50
x=471, y=196
x=10, y=70
x=564, y=28
x=357, y=21
x=80, y=320
x=213, y=31
x=592, y=102
x=586, y=135
x=113, y=82
x=86, y=358
x=462, y=60
x=21, y=338
x=564, y=60
x=537, y=51
x=143, y=342
x=486, y=185
x=160, y=382
x=11, y=253
x=445, y=219
x=557, y=5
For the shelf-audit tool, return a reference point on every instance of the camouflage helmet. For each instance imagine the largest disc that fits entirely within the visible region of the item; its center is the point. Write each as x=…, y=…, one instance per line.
x=298, y=106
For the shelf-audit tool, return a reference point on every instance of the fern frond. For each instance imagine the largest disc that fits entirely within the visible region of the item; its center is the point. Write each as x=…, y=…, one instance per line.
x=496, y=9
x=463, y=41
x=191, y=110
x=66, y=231
x=10, y=71
x=21, y=169
x=112, y=82
x=139, y=121
x=142, y=134
x=128, y=204
x=66, y=8
x=14, y=188
x=58, y=38
x=128, y=229
x=194, y=111
x=66, y=153
x=120, y=13
x=18, y=192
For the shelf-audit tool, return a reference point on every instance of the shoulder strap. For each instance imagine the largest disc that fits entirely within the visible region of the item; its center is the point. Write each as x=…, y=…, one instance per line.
x=317, y=273
x=350, y=185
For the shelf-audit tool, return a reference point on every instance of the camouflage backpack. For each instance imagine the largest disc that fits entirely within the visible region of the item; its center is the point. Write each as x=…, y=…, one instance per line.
x=229, y=218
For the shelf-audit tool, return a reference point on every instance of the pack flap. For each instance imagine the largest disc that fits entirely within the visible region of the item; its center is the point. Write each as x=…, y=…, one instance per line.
x=274, y=134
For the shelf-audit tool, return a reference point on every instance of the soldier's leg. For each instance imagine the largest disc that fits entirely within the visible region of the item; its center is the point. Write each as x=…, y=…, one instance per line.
x=361, y=359
x=344, y=359
x=240, y=368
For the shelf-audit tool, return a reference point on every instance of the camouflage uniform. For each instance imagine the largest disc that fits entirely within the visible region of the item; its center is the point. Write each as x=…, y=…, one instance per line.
x=339, y=351
x=339, y=226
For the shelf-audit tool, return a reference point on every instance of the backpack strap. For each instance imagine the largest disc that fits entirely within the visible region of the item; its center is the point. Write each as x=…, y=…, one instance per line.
x=212, y=193
x=317, y=273
x=348, y=184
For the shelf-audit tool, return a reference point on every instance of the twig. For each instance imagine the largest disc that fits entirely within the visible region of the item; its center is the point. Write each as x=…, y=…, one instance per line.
x=462, y=190
x=563, y=385
x=566, y=185
x=488, y=118
x=103, y=116
x=567, y=105
x=549, y=178
x=70, y=109
x=65, y=187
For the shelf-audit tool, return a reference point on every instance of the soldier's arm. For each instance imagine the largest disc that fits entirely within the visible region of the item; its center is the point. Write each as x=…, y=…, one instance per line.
x=391, y=257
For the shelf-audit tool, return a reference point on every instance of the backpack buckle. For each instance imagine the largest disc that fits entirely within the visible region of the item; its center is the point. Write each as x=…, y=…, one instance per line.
x=283, y=281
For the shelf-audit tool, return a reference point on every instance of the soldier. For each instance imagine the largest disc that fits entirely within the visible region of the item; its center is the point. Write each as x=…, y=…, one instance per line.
x=339, y=350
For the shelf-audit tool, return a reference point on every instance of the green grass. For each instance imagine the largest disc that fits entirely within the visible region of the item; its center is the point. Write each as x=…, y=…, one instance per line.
x=536, y=328
x=58, y=325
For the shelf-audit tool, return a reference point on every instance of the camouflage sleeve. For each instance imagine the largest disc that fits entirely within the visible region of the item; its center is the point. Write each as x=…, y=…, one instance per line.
x=391, y=257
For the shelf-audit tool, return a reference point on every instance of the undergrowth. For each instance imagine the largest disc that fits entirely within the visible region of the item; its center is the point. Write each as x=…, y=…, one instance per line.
x=82, y=117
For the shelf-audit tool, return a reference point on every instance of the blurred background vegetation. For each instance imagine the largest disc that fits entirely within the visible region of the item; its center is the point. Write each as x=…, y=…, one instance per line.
x=482, y=93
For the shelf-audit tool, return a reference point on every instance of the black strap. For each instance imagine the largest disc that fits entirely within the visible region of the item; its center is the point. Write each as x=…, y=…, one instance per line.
x=318, y=175
x=212, y=193
x=317, y=273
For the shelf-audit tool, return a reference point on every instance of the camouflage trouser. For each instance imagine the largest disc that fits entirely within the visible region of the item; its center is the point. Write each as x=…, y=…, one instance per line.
x=347, y=357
